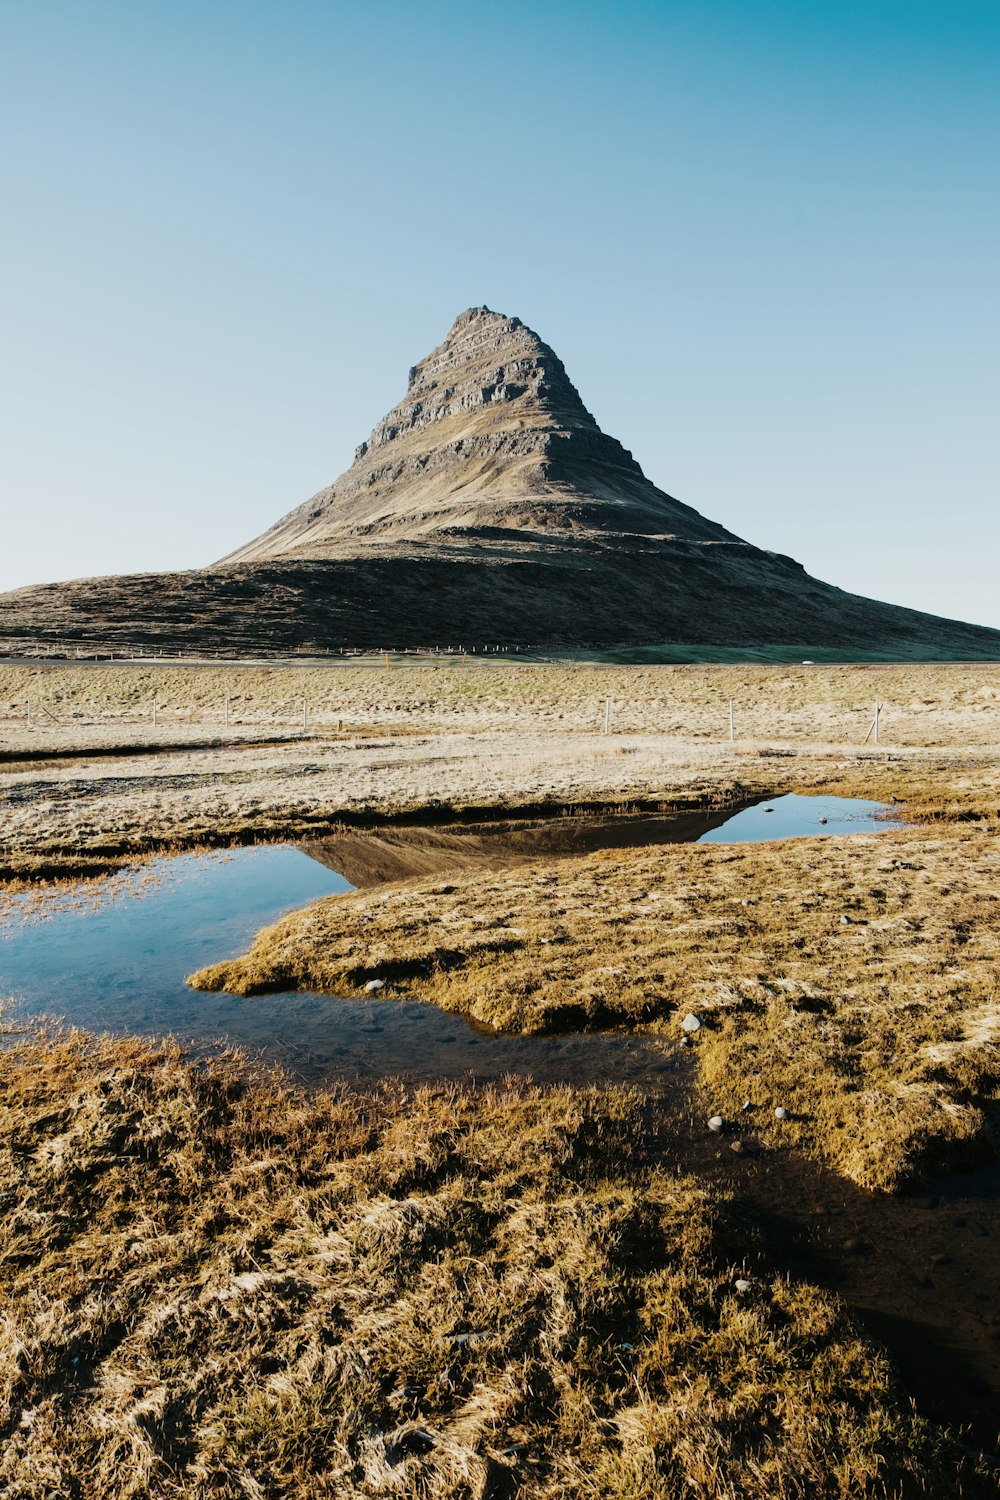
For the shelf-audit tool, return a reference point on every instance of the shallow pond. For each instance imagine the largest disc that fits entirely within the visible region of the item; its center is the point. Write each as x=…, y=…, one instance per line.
x=795, y=817
x=113, y=956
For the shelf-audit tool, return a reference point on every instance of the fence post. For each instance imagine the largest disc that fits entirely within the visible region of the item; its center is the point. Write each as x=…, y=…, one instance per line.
x=873, y=726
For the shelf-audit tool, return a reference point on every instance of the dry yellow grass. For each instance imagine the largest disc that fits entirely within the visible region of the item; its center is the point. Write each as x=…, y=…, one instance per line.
x=925, y=705
x=212, y=1285
x=436, y=737
x=853, y=981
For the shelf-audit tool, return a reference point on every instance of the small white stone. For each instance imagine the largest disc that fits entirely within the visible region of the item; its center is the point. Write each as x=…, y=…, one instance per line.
x=781, y=1113
x=691, y=1023
x=374, y=984
x=742, y=1285
x=716, y=1123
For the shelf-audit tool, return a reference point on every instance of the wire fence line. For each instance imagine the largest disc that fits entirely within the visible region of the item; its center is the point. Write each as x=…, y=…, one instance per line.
x=304, y=714
x=69, y=654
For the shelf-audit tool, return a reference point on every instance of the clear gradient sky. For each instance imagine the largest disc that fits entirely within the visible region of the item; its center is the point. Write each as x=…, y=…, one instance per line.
x=764, y=237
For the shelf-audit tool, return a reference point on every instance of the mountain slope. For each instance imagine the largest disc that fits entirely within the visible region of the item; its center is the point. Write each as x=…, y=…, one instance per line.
x=486, y=508
x=491, y=437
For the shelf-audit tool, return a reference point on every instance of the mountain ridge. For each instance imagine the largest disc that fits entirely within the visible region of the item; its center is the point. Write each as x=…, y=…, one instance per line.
x=491, y=433
x=486, y=506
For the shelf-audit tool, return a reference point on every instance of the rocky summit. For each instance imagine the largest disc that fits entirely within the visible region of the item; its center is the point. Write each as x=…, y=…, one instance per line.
x=491, y=443
x=487, y=507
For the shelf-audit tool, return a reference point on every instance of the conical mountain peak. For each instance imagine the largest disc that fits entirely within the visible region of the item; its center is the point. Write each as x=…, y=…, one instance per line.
x=486, y=506
x=491, y=438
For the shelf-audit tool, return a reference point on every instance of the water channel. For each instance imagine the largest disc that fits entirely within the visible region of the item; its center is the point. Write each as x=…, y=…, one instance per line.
x=112, y=956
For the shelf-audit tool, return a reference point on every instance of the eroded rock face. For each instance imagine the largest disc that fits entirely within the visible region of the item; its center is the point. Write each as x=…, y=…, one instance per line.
x=491, y=435
x=488, y=506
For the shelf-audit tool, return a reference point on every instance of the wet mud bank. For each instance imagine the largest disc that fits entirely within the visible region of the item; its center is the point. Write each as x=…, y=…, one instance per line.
x=510, y=833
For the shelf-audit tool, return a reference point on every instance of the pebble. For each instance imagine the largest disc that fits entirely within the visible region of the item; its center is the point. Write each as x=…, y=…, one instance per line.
x=845, y=921
x=769, y=809
x=781, y=1113
x=690, y=1023
x=742, y=1285
x=716, y=1123
x=738, y=1147
x=374, y=984
x=468, y=1340
x=822, y=820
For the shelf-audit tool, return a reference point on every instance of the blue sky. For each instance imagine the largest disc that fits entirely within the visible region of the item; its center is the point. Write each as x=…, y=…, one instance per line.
x=763, y=237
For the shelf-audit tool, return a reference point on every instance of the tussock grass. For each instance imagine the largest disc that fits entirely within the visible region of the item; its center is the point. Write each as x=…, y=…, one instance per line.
x=214, y=1285
x=852, y=980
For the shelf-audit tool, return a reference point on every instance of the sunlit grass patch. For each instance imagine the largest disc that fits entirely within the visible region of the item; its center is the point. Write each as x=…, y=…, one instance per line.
x=215, y=1285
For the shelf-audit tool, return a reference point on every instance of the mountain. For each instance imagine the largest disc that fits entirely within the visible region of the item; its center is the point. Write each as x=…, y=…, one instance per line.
x=487, y=507
x=491, y=442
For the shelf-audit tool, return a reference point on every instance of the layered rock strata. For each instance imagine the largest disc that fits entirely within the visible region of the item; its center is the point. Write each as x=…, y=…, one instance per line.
x=487, y=507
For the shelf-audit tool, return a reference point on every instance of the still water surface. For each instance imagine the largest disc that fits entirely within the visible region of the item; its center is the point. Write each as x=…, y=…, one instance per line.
x=115, y=957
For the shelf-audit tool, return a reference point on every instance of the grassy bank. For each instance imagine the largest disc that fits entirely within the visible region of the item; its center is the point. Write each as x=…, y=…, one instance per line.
x=852, y=981
x=215, y=1285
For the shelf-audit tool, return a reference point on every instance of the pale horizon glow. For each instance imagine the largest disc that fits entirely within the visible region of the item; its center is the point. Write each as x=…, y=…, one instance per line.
x=764, y=240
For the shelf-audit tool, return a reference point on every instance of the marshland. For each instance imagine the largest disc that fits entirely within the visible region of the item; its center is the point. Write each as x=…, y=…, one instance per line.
x=421, y=1195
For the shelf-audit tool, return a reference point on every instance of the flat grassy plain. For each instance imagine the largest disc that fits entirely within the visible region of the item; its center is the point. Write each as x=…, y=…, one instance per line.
x=216, y=1284
x=97, y=782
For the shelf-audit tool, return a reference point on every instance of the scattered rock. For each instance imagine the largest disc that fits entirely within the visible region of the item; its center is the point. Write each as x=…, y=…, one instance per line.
x=716, y=1123
x=845, y=921
x=823, y=820
x=373, y=985
x=691, y=1023
x=741, y=1284
x=738, y=1147
x=781, y=1113
x=469, y=1340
